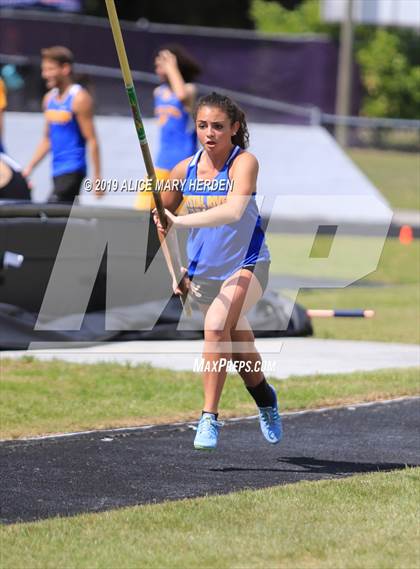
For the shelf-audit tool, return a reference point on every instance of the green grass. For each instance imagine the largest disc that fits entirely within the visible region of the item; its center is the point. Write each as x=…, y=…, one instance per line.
x=38, y=398
x=389, y=262
x=397, y=305
x=50, y=397
x=364, y=522
x=395, y=174
x=398, y=264
x=397, y=313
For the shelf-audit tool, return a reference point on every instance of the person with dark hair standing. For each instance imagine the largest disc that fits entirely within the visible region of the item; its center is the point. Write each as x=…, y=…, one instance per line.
x=228, y=259
x=174, y=102
x=68, y=110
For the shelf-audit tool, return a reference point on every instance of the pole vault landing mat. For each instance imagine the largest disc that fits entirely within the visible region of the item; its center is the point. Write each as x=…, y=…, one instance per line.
x=99, y=471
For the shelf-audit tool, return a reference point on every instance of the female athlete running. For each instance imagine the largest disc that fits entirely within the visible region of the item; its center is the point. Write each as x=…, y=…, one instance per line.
x=227, y=255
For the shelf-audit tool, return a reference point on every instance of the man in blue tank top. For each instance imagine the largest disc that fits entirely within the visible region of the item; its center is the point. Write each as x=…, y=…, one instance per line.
x=68, y=110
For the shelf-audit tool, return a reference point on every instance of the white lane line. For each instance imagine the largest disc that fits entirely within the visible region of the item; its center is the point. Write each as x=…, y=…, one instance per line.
x=231, y=420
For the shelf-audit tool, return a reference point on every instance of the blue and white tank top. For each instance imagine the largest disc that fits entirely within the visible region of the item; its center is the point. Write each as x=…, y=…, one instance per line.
x=177, y=137
x=218, y=252
x=68, y=146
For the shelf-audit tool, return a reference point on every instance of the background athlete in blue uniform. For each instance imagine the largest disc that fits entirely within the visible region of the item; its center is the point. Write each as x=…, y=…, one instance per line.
x=228, y=259
x=173, y=104
x=68, y=110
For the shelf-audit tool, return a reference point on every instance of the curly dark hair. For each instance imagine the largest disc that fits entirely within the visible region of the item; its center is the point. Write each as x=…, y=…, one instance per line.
x=187, y=64
x=232, y=110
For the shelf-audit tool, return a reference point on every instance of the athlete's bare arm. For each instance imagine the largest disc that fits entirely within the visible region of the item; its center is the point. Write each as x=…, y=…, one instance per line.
x=172, y=201
x=83, y=109
x=243, y=173
x=185, y=92
x=43, y=147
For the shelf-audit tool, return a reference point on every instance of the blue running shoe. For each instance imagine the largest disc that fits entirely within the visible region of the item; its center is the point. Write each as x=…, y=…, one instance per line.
x=207, y=432
x=270, y=421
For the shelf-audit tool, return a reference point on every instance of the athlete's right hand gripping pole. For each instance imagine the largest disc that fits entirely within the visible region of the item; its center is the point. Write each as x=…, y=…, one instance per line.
x=141, y=134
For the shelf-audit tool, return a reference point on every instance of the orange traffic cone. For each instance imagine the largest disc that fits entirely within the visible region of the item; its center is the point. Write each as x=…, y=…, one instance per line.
x=406, y=235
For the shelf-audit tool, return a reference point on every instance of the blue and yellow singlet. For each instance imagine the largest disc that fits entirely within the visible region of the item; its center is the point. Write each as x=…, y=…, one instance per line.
x=218, y=252
x=178, y=139
x=68, y=146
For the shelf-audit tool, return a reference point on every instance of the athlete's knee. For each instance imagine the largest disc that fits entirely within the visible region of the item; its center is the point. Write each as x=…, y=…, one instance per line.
x=215, y=329
x=216, y=336
x=216, y=322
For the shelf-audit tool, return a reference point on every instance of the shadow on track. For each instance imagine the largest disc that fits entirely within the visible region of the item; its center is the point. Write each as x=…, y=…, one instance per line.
x=327, y=467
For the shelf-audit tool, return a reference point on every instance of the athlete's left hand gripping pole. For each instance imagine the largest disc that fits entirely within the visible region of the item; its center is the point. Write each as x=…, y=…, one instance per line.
x=141, y=134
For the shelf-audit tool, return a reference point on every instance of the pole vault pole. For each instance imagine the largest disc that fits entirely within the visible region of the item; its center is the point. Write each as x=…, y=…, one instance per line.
x=141, y=134
x=353, y=313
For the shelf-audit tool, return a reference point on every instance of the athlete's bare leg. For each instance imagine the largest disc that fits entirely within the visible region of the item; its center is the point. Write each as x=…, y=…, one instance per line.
x=237, y=295
x=243, y=349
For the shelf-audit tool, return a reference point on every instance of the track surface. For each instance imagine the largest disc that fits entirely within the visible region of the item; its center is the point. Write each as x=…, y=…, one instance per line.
x=102, y=471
